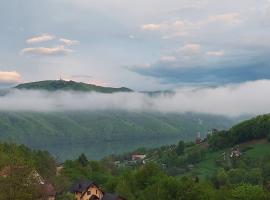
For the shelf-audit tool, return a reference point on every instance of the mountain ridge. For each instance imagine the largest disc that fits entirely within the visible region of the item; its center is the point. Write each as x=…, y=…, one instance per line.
x=56, y=85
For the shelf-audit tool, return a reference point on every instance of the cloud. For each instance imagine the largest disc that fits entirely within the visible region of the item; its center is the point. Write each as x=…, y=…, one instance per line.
x=207, y=70
x=46, y=51
x=9, y=77
x=230, y=100
x=215, y=53
x=190, y=49
x=227, y=18
x=132, y=37
x=152, y=27
x=168, y=29
x=179, y=28
x=40, y=38
x=68, y=42
x=168, y=58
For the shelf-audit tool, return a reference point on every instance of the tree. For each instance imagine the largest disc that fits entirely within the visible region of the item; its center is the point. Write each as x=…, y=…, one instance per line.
x=222, y=177
x=180, y=148
x=83, y=160
x=18, y=185
x=237, y=176
x=248, y=192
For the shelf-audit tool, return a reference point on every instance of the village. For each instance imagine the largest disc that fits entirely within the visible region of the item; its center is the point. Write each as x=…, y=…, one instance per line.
x=167, y=157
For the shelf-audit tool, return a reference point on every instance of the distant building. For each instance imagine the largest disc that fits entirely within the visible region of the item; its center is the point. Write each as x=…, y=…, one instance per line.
x=235, y=153
x=136, y=157
x=198, y=138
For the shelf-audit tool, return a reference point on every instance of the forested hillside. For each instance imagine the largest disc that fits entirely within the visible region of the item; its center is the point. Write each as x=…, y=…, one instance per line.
x=77, y=127
x=188, y=170
x=255, y=128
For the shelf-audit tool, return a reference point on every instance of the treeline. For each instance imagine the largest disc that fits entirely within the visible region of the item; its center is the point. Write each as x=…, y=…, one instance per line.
x=18, y=165
x=149, y=181
x=34, y=129
x=256, y=128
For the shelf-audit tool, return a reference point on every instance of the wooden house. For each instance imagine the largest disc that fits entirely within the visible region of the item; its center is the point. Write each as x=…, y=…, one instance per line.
x=86, y=190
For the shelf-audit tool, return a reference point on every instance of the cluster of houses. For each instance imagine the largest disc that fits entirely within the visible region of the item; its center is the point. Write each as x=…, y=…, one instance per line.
x=82, y=190
x=235, y=152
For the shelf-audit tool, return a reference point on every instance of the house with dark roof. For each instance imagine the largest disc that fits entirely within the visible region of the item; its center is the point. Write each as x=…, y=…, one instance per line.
x=86, y=190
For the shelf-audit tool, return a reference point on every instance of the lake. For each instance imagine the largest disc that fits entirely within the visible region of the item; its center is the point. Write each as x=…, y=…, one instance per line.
x=98, y=150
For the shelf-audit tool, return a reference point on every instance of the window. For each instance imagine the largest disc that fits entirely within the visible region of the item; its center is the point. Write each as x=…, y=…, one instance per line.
x=96, y=191
x=88, y=193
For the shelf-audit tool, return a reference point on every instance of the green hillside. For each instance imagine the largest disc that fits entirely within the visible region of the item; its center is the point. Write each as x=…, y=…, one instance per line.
x=54, y=85
x=239, y=171
x=77, y=127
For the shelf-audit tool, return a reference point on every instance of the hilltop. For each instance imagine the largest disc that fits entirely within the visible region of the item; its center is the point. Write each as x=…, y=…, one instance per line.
x=55, y=85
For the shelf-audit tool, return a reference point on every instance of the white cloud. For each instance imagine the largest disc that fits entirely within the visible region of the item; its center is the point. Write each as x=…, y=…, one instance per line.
x=190, y=49
x=68, y=42
x=131, y=37
x=47, y=51
x=216, y=53
x=230, y=100
x=168, y=29
x=179, y=28
x=152, y=27
x=229, y=18
x=168, y=58
x=40, y=38
x=9, y=77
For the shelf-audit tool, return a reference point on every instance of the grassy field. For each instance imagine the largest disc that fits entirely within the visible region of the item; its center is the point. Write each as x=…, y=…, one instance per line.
x=206, y=168
x=260, y=149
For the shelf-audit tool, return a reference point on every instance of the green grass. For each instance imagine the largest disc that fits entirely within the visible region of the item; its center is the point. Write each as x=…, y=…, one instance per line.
x=259, y=150
x=206, y=168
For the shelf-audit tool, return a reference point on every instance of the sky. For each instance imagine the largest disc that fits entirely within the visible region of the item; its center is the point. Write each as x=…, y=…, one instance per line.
x=142, y=44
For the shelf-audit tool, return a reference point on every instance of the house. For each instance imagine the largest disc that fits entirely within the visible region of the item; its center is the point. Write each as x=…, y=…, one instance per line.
x=86, y=190
x=109, y=196
x=136, y=157
x=235, y=153
x=89, y=190
x=198, y=138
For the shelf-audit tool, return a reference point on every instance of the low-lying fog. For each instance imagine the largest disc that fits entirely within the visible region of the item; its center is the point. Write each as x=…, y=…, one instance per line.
x=231, y=100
